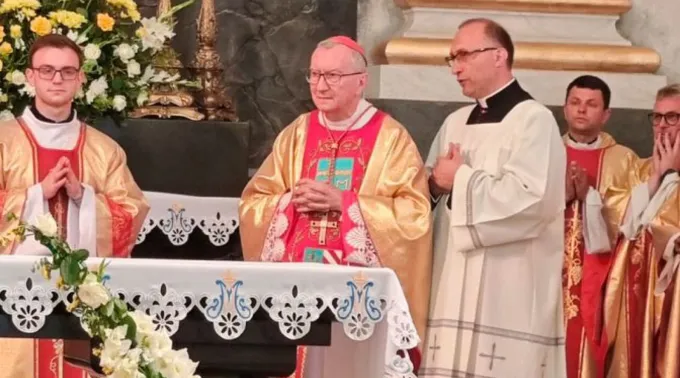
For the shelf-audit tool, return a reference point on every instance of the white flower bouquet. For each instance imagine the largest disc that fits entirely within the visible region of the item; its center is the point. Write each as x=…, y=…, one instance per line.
x=118, y=44
x=130, y=346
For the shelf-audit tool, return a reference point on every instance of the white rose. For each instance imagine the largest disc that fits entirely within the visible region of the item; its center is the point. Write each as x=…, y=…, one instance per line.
x=96, y=89
x=115, y=347
x=128, y=366
x=92, y=52
x=134, y=68
x=176, y=364
x=125, y=52
x=142, y=98
x=92, y=292
x=119, y=103
x=6, y=115
x=18, y=78
x=46, y=224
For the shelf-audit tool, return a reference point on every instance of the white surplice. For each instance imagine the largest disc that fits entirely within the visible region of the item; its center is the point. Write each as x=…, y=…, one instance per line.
x=496, y=308
x=82, y=217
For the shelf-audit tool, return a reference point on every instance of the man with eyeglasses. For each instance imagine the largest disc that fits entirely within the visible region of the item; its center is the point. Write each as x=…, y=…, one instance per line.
x=643, y=323
x=344, y=185
x=53, y=163
x=497, y=181
x=595, y=164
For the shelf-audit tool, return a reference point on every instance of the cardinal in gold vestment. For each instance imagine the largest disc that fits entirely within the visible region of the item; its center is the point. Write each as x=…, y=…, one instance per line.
x=344, y=184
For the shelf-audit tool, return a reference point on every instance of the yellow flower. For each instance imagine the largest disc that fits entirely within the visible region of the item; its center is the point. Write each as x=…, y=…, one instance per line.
x=134, y=15
x=15, y=31
x=105, y=22
x=141, y=32
x=5, y=49
x=45, y=271
x=60, y=282
x=29, y=13
x=2, y=32
x=69, y=19
x=41, y=26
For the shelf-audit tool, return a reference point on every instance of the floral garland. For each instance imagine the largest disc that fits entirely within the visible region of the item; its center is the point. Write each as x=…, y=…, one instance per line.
x=130, y=345
x=119, y=46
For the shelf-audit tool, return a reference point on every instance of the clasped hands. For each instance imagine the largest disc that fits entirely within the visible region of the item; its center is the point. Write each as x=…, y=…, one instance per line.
x=576, y=183
x=310, y=196
x=62, y=176
x=445, y=169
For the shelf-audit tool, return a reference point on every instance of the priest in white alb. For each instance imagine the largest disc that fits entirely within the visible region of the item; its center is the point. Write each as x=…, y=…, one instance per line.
x=497, y=182
x=53, y=163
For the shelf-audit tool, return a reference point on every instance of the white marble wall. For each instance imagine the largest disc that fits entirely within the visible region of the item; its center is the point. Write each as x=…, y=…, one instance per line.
x=654, y=24
x=649, y=24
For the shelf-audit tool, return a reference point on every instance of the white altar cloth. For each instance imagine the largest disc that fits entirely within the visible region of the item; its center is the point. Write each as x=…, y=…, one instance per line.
x=177, y=215
x=373, y=318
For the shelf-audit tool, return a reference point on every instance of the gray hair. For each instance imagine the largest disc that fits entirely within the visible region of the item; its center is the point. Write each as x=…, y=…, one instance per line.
x=670, y=90
x=358, y=60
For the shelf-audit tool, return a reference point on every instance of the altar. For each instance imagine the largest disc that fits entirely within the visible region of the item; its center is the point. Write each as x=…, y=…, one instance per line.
x=371, y=327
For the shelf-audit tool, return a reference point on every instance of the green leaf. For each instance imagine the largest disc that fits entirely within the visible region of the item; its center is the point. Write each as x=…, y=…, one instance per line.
x=80, y=254
x=70, y=270
x=117, y=84
x=108, y=309
x=131, y=327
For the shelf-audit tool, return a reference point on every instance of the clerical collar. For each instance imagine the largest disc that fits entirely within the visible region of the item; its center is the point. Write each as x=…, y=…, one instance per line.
x=483, y=102
x=40, y=117
x=590, y=145
x=364, y=111
x=498, y=104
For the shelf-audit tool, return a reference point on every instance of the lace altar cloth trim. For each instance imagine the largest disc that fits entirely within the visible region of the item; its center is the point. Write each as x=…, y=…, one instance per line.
x=178, y=215
x=228, y=293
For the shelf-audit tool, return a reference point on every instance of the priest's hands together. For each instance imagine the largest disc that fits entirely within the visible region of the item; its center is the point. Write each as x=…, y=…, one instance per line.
x=576, y=183
x=445, y=170
x=310, y=195
x=62, y=176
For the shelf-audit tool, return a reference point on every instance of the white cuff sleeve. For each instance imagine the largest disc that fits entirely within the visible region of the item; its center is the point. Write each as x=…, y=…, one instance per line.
x=82, y=222
x=672, y=261
x=35, y=205
x=595, y=232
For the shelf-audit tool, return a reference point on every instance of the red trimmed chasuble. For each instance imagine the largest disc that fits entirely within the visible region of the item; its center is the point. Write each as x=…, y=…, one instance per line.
x=49, y=352
x=583, y=275
x=339, y=158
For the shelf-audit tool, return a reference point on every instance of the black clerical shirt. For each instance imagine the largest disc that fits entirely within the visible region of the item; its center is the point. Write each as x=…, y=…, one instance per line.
x=497, y=107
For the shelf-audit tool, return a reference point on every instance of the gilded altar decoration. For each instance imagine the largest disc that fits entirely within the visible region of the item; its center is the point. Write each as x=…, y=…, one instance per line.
x=130, y=345
x=213, y=99
x=168, y=100
x=119, y=47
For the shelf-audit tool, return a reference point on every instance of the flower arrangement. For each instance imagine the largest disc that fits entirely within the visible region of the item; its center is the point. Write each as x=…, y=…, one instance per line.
x=130, y=346
x=118, y=44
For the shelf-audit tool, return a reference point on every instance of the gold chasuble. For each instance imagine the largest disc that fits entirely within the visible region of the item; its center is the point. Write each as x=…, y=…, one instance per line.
x=642, y=300
x=106, y=221
x=584, y=273
x=392, y=197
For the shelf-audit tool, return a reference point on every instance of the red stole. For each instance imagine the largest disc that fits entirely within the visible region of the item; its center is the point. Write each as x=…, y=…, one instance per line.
x=340, y=158
x=583, y=275
x=49, y=360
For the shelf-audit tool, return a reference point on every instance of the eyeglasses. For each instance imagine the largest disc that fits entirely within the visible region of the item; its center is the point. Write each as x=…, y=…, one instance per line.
x=671, y=118
x=330, y=77
x=464, y=56
x=48, y=72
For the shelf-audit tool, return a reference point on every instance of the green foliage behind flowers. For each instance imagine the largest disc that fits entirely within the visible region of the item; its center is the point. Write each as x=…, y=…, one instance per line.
x=119, y=47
